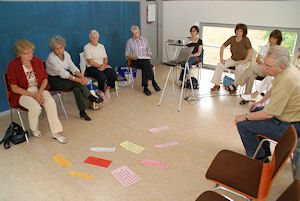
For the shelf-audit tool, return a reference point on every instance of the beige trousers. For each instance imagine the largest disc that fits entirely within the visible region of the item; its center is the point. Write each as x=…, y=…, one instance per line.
x=249, y=76
x=239, y=69
x=34, y=111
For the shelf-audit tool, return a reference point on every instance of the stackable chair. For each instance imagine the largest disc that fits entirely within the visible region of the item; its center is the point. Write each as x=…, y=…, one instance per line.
x=247, y=177
x=292, y=193
x=83, y=64
x=130, y=68
x=19, y=108
x=60, y=94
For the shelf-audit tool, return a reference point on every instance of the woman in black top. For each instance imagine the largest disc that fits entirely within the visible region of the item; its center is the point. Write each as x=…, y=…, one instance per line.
x=197, y=53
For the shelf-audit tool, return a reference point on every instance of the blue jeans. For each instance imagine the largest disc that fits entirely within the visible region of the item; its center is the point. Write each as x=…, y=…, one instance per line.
x=191, y=61
x=271, y=128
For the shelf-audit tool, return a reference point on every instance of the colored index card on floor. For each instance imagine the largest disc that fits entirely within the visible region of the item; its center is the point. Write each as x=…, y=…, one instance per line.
x=125, y=176
x=81, y=175
x=103, y=149
x=155, y=163
x=155, y=130
x=61, y=161
x=165, y=145
x=97, y=161
x=132, y=147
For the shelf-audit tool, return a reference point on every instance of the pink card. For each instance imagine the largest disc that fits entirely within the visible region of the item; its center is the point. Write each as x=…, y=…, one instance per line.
x=155, y=163
x=155, y=130
x=126, y=176
x=97, y=161
x=165, y=145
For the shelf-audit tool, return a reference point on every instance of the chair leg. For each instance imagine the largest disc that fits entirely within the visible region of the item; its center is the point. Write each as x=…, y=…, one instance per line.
x=131, y=78
x=116, y=88
x=154, y=71
x=62, y=105
x=22, y=124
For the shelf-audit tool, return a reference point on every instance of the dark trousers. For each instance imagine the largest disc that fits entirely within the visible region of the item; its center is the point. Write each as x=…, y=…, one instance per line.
x=81, y=92
x=191, y=61
x=146, y=67
x=272, y=128
x=106, y=77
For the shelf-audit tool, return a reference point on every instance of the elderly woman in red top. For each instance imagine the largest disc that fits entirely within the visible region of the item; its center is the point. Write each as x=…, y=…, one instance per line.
x=28, y=81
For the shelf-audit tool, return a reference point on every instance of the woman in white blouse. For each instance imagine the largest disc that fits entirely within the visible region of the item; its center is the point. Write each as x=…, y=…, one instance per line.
x=64, y=75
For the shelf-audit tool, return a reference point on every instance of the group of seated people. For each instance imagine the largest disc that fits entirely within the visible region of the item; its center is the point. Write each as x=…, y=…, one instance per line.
x=282, y=98
x=29, y=81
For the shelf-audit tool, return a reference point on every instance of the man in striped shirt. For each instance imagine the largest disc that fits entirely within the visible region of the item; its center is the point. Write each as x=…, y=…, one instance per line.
x=139, y=52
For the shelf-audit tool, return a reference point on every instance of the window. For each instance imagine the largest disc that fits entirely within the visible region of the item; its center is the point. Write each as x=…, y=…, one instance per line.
x=214, y=35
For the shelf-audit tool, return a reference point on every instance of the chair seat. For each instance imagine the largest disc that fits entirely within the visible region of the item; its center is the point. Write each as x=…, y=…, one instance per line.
x=23, y=109
x=211, y=196
x=236, y=171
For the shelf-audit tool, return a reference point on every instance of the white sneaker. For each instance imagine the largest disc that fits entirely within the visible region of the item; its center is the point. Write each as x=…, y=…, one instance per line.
x=247, y=97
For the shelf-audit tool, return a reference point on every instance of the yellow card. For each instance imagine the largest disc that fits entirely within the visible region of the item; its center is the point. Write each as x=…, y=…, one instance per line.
x=61, y=161
x=81, y=175
x=132, y=147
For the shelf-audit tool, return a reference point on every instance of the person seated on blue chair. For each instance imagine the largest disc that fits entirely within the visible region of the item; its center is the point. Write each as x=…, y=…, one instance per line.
x=197, y=53
x=97, y=65
x=64, y=75
x=138, y=50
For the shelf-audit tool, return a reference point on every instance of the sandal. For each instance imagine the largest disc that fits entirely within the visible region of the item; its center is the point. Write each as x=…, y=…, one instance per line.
x=37, y=133
x=243, y=102
x=60, y=139
x=228, y=88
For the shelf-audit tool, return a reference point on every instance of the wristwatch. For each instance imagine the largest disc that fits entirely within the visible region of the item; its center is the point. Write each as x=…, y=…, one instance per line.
x=246, y=116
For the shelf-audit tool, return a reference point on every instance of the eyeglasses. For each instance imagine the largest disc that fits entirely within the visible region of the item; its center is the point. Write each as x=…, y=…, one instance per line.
x=28, y=52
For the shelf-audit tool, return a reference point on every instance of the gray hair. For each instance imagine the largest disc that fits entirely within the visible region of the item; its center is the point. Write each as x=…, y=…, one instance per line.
x=93, y=32
x=56, y=40
x=280, y=54
x=134, y=28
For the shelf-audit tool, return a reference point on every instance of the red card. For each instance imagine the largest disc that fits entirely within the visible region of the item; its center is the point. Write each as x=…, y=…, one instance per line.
x=97, y=161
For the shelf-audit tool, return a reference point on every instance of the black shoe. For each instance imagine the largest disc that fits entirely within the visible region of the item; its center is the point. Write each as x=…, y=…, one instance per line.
x=84, y=115
x=95, y=99
x=155, y=86
x=264, y=159
x=147, y=91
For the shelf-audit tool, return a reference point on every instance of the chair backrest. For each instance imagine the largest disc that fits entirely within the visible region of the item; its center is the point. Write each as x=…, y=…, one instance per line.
x=283, y=150
x=7, y=87
x=82, y=63
x=292, y=192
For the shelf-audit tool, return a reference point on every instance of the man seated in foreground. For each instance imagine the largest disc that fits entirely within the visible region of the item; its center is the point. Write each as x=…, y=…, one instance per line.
x=283, y=108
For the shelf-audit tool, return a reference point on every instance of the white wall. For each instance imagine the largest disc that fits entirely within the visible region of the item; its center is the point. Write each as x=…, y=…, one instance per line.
x=179, y=16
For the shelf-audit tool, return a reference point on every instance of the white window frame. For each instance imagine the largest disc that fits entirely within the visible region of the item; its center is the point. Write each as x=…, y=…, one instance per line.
x=263, y=28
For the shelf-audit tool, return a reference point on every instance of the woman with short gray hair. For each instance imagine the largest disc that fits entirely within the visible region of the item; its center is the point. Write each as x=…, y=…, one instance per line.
x=64, y=75
x=97, y=65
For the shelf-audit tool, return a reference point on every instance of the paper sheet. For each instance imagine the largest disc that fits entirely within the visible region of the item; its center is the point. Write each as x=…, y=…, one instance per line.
x=98, y=161
x=61, y=161
x=81, y=175
x=155, y=163
x=103, y=149
x=155, y=130
x=165, y=145
x=144, y=57
x=125, y=176
x=132, y=147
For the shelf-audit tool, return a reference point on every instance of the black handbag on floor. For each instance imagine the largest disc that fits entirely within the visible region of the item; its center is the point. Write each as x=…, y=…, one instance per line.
x=14, y=134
